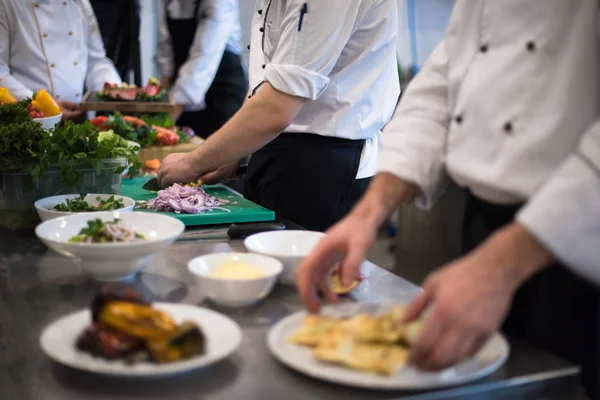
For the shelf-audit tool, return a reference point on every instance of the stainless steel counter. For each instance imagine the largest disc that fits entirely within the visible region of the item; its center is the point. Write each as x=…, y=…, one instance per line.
x=38, y=286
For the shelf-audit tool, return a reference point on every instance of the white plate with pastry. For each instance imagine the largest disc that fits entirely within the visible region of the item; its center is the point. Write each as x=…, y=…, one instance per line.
x=367, y=346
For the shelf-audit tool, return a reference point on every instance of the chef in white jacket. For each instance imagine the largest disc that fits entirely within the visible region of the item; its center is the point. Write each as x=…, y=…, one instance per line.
x=323, y=83
x=199, y=54
x=53, y=45
x=506, y=107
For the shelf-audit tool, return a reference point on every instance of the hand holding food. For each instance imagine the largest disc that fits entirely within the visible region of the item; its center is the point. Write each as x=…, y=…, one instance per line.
x=469, y=299
x=346, y=244
x=69, y=109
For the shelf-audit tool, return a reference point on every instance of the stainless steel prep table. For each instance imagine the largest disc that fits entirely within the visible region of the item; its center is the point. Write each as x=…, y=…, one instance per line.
x=38, y=286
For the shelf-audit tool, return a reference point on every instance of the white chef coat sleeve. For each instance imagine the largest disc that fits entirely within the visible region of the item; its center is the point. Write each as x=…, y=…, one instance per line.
x=197, y=74
x=307, y=52
x=100, y=68
x=565, y=214
x=18, y=90
x=413, y=141
x=164, y=50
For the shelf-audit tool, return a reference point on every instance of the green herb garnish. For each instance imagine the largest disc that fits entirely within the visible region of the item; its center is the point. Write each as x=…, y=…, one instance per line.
x=98, y=231
x=80, y=205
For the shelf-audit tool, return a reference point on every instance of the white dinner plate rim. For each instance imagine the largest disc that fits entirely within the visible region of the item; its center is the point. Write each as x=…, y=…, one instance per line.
x=157, y=370
x=324, y=374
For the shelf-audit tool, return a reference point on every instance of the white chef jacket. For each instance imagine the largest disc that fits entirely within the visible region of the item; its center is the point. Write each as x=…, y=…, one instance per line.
x=53, y=45
x=218, y=30
x=501, y=107
x=341, y=55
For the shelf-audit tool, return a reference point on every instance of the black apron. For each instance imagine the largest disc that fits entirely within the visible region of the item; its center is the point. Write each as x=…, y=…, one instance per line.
x=307, y=178
x=228, y=90
x=555, y=310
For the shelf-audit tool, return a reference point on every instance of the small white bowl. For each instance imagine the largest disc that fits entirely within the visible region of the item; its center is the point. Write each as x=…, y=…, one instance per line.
x=45, y=205
x=235, y=292
x=289, y=247
x=49, y=122
x=111, y=261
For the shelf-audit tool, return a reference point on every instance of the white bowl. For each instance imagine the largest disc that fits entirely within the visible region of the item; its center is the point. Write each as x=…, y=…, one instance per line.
x=289, y=247
x=235, y=292
x=45, y=205
x=111, y=261
x=49, y=122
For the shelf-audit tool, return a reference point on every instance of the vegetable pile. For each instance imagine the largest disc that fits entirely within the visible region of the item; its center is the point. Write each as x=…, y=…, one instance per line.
x=185, y=199
x=148, y=130
x=126, y=327
x=26, y=147
x=80, y=205
x=98, y=231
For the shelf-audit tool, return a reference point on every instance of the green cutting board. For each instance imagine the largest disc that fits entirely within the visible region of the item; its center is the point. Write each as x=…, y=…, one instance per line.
x=241, y=210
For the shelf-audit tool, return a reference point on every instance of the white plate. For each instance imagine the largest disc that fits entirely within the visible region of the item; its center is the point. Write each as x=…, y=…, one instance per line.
x=223, y=337
x=487, y=361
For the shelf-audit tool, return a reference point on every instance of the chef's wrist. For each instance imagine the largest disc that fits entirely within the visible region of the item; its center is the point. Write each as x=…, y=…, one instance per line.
x=521, y=255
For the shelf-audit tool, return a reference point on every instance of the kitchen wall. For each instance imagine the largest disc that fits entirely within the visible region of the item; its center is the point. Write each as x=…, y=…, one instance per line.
x=430, y=17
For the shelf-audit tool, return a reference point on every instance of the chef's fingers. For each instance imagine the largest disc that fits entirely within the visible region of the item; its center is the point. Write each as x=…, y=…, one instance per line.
x=350, y=268
x=324, y=284
x=68, y=105
x=477, y=344
x=452, y=348
x=212, y=177
x=433, y=328
x=418, y=304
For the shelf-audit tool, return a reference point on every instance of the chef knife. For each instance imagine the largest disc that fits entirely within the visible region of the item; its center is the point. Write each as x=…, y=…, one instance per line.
x=234, y=231
x=153, y=185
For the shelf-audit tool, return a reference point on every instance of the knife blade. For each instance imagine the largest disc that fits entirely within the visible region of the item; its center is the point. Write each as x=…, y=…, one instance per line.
x=153, y=185
x=234, y=231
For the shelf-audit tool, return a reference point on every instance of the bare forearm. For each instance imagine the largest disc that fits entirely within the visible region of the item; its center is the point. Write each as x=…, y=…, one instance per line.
x=259, y=121
x=516, y=252
x=386, y=193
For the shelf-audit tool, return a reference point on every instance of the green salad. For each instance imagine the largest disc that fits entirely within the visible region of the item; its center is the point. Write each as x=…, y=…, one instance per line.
x=80, y=205
x=98, y=231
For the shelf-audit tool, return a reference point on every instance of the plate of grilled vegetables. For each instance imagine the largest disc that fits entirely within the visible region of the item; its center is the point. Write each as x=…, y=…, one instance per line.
x=121, y=334
x=368, y=346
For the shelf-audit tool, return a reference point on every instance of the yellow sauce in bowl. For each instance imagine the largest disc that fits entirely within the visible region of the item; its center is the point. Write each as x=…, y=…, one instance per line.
x=236, y=270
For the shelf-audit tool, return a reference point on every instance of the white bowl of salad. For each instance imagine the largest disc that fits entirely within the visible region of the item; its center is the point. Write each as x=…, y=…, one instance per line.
x=61, y=206
x=112, y=245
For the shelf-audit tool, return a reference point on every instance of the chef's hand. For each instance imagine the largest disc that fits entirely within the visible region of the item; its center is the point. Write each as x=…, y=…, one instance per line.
x=177, y=111
x=470, y=297
x=346, y=243
x=176, y=168
x=69, y=109
x=222, y=174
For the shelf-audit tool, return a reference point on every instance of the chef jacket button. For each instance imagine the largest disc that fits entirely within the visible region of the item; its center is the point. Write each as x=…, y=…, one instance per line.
x=64, y=3
x=45, y=35
x=530, y=46
x=248, y=47
x=483, y=48
x=53, y=65
x=458, y=119
x=75, y=63
x=264, y=66
x=262, y=29
x=508, y=128
x=77, y=94
x=70, y=33
x=259, y=12
x=57, y=96
x=36, y=5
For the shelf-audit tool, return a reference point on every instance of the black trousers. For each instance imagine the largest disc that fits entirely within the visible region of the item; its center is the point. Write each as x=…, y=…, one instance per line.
x=307, y=178
x=555, y=310
x=224, y=98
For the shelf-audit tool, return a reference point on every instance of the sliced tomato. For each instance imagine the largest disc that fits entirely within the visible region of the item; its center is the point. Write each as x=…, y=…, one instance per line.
x=100, y=121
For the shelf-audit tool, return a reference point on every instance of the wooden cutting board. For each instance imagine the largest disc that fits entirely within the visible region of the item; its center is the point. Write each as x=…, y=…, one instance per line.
x=91, y=102
x=240, y=209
